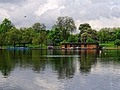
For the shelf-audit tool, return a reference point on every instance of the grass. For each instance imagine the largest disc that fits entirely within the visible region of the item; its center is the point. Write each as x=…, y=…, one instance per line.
x=109, y=45
x=27, y=45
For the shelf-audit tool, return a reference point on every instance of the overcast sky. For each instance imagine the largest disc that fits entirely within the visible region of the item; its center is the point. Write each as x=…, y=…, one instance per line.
x=98, y=13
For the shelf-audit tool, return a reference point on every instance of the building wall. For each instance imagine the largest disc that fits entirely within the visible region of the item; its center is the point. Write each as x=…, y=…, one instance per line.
x=82, y=46
x=68, y=46
x=86, y=46
x=91, y=46
x=62, y=46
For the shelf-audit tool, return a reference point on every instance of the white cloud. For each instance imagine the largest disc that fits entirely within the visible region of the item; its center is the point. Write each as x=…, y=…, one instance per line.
x=47, y=11
x=51, y=4
x=3, y=14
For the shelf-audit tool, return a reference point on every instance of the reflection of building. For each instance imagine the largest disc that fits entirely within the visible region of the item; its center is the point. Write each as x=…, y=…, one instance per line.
x=87, y=59
x=80, y=46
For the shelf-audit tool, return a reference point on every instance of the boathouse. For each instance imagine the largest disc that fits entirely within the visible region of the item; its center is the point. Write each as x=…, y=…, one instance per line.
x=80, y=46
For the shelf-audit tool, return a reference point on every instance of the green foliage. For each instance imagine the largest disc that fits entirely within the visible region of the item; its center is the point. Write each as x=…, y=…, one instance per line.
x=104, y=35
x=37, y=27
x=61, y=32
x=66, y=25
x=27, y=36
x=40, y=38
x=12, y=37
x=84, y=27
x=55, y=36
x=3, y=39
x=87, y=34
x=108, y=44
x=117, y=42
x=72, y=38
x=117, y=33
x=6, y=25
x=89, y=40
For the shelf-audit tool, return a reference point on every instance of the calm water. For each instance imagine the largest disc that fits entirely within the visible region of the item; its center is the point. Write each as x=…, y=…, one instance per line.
x=59, y=70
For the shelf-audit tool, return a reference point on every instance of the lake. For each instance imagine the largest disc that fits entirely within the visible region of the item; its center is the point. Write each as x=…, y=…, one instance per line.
x=60, y=70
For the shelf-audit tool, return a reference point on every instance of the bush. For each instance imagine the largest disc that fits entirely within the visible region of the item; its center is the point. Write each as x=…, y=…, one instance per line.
x=117, y=42
x=89, y=40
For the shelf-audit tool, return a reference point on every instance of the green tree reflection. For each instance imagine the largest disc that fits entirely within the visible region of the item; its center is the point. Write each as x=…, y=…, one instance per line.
x=6, y=64
x=88, y=58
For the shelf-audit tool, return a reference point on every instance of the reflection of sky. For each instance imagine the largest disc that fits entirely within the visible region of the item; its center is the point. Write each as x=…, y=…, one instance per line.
x=2, y=80
x=103, y=76
x=27, y=80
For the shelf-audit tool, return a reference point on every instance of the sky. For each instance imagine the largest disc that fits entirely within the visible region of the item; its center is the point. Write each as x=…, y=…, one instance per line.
x=98, y=13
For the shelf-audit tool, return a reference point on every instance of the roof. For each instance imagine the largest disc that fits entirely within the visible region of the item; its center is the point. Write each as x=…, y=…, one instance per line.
x=80, y=43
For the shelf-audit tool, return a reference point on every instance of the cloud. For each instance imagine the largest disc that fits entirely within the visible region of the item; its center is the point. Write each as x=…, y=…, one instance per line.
x=11, y=1
x=115, y=12
x=48, y=6
x=47, y=11
x=3, y=14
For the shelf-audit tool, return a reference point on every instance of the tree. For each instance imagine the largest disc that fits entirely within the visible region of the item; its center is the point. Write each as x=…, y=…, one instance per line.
x=104, y=35
x=117, y=42
x=38, y=27
x=66, y=25
x=55, y=36
x=3, y=39
x=84, y=27
x=12, y=37
x=40, y=38
x=93, y=34
x=87, y=34
x=72, y=38
x=27, y=35
x=6, y=25
x=117, y=33
x=89, y=40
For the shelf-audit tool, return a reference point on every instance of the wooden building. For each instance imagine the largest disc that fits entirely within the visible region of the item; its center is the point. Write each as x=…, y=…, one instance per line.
x=80, y=46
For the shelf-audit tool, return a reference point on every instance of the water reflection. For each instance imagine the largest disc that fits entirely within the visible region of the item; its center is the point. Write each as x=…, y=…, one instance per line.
x=88, y=58
x=60, y=70
x=110, y=56
x=63, y=63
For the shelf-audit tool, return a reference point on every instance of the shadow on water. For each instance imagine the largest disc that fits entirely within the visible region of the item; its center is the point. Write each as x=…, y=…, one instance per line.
x=61, y=62
x=110, y=56
x=88, y=58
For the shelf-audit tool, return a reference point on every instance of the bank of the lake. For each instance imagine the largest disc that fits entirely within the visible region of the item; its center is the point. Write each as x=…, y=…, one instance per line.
x=109, y=46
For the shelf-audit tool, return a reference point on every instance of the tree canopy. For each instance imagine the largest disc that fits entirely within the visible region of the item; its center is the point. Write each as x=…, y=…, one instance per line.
x=6, y=25
x=60, y=32
x=66, y=25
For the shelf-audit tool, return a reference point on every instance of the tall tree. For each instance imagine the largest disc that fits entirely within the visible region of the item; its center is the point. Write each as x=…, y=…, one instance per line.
x=3, y=39
x=84, y=28
x=27, y=36
x=38, y=27
x=73, y=38
x=87, y=34
x=12, y=37
x=55, y=37
x=66, y=25
x=6, y=25
x=40, y=38
x=104, y=35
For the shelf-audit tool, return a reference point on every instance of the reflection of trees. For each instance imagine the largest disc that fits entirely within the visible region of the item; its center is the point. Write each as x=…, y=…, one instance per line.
x=31, y=59
x=88, y=58
x=64, y=67
x=62, y=64
x=110, y=56
x=39, y=60
x=6, y=64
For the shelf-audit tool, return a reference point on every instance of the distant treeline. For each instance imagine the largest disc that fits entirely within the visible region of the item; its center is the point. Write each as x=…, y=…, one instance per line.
x=60, y=32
